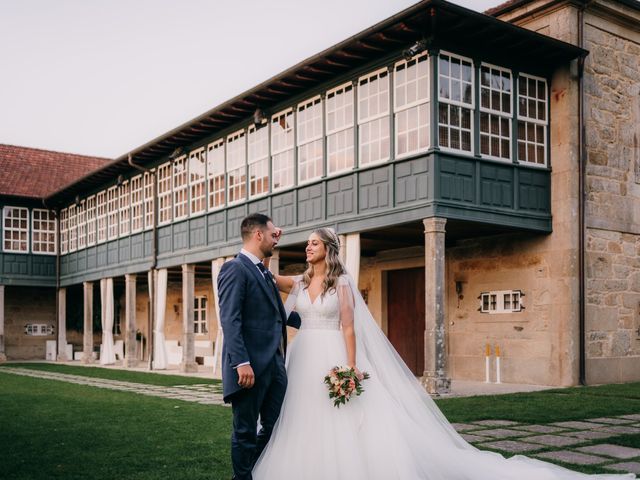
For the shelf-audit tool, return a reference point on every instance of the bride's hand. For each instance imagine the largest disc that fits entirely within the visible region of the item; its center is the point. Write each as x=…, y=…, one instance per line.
x=358, y=373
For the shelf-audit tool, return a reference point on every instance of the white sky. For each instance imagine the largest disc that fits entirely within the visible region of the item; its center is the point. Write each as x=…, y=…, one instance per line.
x=102, y=77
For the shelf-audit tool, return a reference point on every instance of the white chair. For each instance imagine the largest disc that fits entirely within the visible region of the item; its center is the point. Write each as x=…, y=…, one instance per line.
x=174, y=352
x=118, y=349
x=51, y=350
x=204, y=349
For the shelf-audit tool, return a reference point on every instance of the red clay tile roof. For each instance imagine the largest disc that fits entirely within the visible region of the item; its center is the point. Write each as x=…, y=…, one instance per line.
x=30, y=172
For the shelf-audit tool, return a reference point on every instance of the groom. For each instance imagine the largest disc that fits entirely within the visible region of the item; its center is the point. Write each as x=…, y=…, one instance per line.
x=254, y=323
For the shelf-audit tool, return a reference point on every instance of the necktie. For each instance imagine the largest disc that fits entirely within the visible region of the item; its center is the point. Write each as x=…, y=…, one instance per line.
x=265, y=273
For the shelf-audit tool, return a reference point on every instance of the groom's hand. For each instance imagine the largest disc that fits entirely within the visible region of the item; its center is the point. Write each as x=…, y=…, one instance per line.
x=246, y=378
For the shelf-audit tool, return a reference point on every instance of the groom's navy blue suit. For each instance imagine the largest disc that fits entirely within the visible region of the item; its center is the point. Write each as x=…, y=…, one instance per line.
x=254, y=323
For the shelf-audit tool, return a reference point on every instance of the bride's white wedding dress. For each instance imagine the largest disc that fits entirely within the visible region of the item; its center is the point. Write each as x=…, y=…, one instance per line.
x=392, y=431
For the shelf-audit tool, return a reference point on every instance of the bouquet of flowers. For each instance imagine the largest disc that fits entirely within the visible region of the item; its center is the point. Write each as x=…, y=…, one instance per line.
x=343, y=383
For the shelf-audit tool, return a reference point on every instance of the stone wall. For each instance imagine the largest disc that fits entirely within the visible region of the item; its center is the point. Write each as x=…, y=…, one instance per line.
x=25, y=305
x=612, y=140
x=612, y=116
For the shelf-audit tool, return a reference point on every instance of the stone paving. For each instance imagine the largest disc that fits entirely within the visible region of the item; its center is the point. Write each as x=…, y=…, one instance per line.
x=559, y=441
x=206, y=394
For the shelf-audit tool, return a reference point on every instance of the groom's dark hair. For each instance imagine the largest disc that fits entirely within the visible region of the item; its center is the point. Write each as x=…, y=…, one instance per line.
x=251, y=222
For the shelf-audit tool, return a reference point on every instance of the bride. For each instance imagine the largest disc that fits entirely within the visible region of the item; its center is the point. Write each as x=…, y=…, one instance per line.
x=393, y=430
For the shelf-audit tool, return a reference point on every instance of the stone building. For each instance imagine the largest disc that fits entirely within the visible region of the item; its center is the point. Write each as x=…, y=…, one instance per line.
x=605, y=172
x=483, y=172
x=29, y=245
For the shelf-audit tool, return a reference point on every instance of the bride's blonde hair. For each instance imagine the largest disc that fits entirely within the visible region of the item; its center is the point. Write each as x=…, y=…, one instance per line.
x=335, y=268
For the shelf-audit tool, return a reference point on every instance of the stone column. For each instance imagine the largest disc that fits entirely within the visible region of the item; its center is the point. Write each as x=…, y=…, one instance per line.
x=87, y=349
x=3, y=355
x=434, y=378
x=130, y=358
x=188, y=336
x=352, y=258
x=150, y=320
x=216, y=265
x=343, y=248
x=62, y=325
x=274, y=262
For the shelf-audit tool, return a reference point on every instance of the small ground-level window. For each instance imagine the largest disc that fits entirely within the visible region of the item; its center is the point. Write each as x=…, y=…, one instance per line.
x=38, y=329
x=504, y=301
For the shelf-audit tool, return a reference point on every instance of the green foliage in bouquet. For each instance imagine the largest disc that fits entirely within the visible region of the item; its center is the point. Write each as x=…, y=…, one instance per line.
x=343, y=383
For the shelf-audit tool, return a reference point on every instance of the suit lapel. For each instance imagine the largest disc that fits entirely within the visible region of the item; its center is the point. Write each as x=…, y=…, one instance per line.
x=261, y=280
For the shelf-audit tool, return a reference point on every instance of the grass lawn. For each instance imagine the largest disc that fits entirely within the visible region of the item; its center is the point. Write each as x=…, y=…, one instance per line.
x=57, y=430
x=547, y=406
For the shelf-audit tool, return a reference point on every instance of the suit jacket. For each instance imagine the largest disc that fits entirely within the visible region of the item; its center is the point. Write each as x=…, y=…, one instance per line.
x=253, y=320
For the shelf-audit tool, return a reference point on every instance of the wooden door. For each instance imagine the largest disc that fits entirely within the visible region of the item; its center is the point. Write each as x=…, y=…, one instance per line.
x=405, y=314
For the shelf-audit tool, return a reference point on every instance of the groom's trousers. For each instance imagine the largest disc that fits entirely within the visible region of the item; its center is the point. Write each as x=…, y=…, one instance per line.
x=263, y=400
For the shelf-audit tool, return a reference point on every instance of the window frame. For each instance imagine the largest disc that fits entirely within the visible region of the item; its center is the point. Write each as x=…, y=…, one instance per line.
x=113, y=213
x=535, y=121
x=214, y=174
x=499, y=301
x=148, y=186
x=491, y=112
x=306, y=143
x=180, y=205
x=81, y=224
x=343, y=89
x=471, y=106
x=260, y=162
x=91, y=222
x=50, y=220
x=198, y=322
x=165, y=197
x=124, y=209
x=422, y=57
x=361, y=121
x=101, y=218
x=198, y=185
x=72, y=228
x=288, y=148
x=136, y=192
x=239, y=136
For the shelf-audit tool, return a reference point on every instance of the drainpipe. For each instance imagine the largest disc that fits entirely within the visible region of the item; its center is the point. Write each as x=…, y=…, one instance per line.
x=56, y=213
x=154, y=255
x=582, y=161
